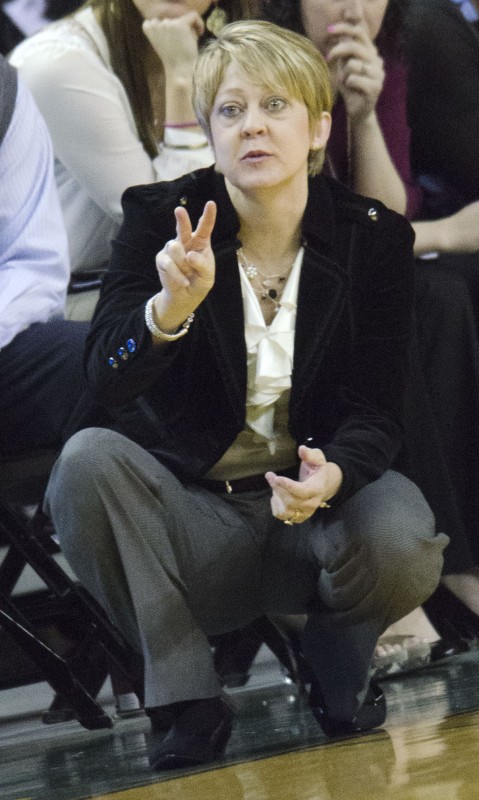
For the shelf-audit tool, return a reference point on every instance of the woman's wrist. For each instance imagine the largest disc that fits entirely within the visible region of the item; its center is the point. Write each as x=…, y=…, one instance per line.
x=160, y=327
x=364, y=124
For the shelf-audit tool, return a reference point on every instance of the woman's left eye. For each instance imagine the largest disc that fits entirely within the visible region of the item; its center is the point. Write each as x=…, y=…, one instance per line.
x=276, y=104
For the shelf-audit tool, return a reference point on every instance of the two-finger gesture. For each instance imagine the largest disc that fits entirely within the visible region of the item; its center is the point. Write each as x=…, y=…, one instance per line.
x=186, y=267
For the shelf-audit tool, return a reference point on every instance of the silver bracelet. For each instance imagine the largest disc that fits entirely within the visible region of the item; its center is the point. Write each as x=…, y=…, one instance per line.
x=157, y=332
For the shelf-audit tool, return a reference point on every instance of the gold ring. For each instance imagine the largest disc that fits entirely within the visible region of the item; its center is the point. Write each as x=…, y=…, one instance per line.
x=324, y=504
x=291, y=520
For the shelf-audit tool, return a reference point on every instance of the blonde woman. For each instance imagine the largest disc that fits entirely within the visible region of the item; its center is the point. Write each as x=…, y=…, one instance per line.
x=250, y=344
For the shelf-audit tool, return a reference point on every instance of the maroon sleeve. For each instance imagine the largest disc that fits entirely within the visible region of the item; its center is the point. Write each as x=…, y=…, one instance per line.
x=392, y=116
x=391, y=111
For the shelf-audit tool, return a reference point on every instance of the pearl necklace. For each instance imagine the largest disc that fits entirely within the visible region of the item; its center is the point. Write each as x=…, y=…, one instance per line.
x=266, y=287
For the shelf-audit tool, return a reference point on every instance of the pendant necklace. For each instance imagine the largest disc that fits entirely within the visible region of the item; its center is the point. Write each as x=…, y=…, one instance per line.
x=266, y=287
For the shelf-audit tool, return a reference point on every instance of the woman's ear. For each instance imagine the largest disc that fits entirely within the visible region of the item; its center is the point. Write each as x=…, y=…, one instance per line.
x=320, y=131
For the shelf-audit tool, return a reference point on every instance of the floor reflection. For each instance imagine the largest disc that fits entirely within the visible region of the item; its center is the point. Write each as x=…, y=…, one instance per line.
x=428, y=748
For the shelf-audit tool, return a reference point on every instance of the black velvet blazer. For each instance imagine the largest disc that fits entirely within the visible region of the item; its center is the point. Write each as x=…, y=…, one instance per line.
x=185, y=402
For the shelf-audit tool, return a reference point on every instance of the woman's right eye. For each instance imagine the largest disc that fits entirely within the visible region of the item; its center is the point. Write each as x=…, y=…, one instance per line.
x=229, y=110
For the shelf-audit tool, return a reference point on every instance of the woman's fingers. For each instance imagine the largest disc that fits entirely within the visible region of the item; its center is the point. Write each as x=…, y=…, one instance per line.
x=199, y=239
x=188, y=260
x=167, y=264
x=183, y=227
x=204, y=229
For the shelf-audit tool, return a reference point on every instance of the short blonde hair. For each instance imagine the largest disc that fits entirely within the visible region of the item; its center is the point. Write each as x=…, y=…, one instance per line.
x=271, y=56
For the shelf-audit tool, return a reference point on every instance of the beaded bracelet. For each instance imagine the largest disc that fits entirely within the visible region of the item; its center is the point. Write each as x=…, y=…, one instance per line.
x=157, y=332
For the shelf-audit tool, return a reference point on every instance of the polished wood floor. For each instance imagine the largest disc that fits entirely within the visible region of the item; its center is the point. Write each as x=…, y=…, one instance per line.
x=428, y=749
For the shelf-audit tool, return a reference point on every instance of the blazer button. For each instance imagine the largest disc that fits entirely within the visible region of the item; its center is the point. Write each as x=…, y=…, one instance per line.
x=373, y=214
x=113, y=362
x=131, y=345
x=183, y=200
x=122, y=353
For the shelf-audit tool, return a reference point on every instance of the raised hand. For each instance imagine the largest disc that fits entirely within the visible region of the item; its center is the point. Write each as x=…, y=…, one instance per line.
x=186, y=268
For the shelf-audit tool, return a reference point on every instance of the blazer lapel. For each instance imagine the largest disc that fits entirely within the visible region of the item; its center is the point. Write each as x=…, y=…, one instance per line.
x=225, y=328
x=323, y=291
x=323, y=288
x=223, y=307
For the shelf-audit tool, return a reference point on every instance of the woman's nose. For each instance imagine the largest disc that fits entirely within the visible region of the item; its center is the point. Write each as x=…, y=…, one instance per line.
x=253, y=123
x=353, y=11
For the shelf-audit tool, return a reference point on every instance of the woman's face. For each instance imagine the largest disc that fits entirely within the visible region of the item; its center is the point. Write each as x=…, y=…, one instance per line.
x=318, y=15
x=262, y=137
x=164, y=9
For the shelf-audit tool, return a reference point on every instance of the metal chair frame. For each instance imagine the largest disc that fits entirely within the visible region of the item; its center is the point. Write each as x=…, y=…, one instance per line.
x=29, y=542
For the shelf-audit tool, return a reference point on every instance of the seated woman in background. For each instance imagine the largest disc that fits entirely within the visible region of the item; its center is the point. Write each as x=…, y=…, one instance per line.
x=113, y=82
x=251, y=347
x=361, y=41
x=369, y=149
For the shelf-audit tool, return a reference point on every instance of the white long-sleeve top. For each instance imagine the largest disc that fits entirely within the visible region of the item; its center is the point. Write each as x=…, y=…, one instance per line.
x=34, y=268
x=98, y=153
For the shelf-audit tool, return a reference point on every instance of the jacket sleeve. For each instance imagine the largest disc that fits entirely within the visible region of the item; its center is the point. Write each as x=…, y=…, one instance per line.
x=392, y=115
x=120, y=359
x=374, y=378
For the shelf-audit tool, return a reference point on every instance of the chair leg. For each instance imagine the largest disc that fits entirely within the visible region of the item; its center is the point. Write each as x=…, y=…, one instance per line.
x=56, y=671
x=96, y=645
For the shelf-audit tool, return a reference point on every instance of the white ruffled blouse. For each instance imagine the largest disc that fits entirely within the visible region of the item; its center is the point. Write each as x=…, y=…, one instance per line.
x=270, y=351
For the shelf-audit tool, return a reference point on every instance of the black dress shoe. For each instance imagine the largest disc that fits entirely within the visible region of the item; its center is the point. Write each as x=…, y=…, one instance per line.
x=370, y=715
x=198, y=735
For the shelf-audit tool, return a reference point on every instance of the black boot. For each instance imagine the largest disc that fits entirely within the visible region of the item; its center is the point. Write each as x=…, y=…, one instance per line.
x=370, y=715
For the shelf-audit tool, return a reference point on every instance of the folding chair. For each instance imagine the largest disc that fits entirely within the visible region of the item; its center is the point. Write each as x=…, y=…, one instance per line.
x=27, y=541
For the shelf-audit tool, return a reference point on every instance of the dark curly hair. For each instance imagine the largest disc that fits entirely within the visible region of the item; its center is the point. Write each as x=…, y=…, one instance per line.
x=391, y=38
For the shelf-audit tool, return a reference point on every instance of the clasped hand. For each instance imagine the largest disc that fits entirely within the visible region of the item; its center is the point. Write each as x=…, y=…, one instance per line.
x=186, y=268
x=319, y=481
x=357, y=69
x=175, y=38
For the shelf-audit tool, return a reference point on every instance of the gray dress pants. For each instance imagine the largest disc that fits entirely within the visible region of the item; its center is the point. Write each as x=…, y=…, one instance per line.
x=173, y=563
